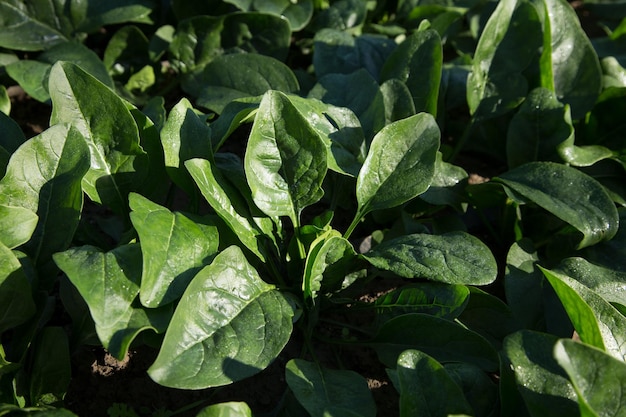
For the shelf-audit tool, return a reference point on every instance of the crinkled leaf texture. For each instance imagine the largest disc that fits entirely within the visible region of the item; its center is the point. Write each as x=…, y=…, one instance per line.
x=228, y=325
x=329, y=392
x=453, y=258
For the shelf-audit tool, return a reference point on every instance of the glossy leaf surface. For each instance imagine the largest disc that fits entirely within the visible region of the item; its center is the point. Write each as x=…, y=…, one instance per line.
x=218, y=333
x=453, y=258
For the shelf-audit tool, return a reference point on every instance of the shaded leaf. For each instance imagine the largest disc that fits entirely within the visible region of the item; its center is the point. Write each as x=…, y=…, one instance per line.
x=16, y=301
x=51, y=366
x=328, y=392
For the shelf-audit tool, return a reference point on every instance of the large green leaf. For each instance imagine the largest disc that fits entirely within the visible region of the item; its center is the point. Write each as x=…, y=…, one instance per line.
x=441, y=300
x=510, y=40
x=444, y=340
x=228, y=325
x=184, y=136
x=400, y=164
x=327, y=392
x=599, y=379
x=538, y=129
x=569, y=65
x=197, y=42
x=44, y=176
x=426, y=388
x=16, y=301
x=417, y=61
x=453, y=258
x=219, y=83
x=25, y=30
x=229, y=204
x=109, y=283
x=541, y=382
x=174, y=246
x=285, y=161
x=596, y=321
x=17, y=225
x=51, y=368
x=118, y=163
x=569, y=195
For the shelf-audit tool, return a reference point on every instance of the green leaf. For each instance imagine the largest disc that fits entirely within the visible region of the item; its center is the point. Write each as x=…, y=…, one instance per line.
x=441, y=300
x=340, y=130
x=397, y=99
x=447, y=186
x=51, y=368
x=229, y=204
x=599, y=379
x=444, y=340
x=118, y=163
x=218, y=84
x=452, y=258
x=257, y=33
x=32, y=76
x=285, y=159
x=197, y=42
x=357, y=91
x=230, y=409
x=403, y=150
x=174, y=247
x=478, y=388
x=596, y=321
x=338, y=52
x=539, y=378
x=418, y=61
x=608, y=283
x=44, y=176
x=298, y=13
x=341, y=15
x=569, y=65
x=510, y=40
x=16, y=301
x=426, y=388
x=17, y=225
x=184, y=136
x=328, y=392
x=329, y=259
x=568, y=194
x=20, y=29
x=235, y=114
x=219, y=331
x=540, y=128
x=97, y=14
x=109, y=283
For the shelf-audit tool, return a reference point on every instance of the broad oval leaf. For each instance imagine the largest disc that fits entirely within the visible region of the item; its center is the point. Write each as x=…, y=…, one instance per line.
x=117, y=159
x=568, y=194
x=418, y=62
x=510, y=40
x=174, y=246
x=44, y=176
x=441, y=300
x=20, y=30
x=285, y=161
x=400, y=164
x=444, y=340
x=426, y=388
x=539, y=378
x=218, y=83
x=219, y=331
x=452, y=258
x=298, y=13
x=328, y=392
x=17, y=225
x=607, y=282
x=596, y=321
x=599, y=379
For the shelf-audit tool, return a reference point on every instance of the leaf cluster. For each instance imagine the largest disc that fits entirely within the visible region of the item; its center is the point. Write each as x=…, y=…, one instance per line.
x=221, y=179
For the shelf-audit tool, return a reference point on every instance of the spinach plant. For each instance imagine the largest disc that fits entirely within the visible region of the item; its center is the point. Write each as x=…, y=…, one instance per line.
x=227, y=179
